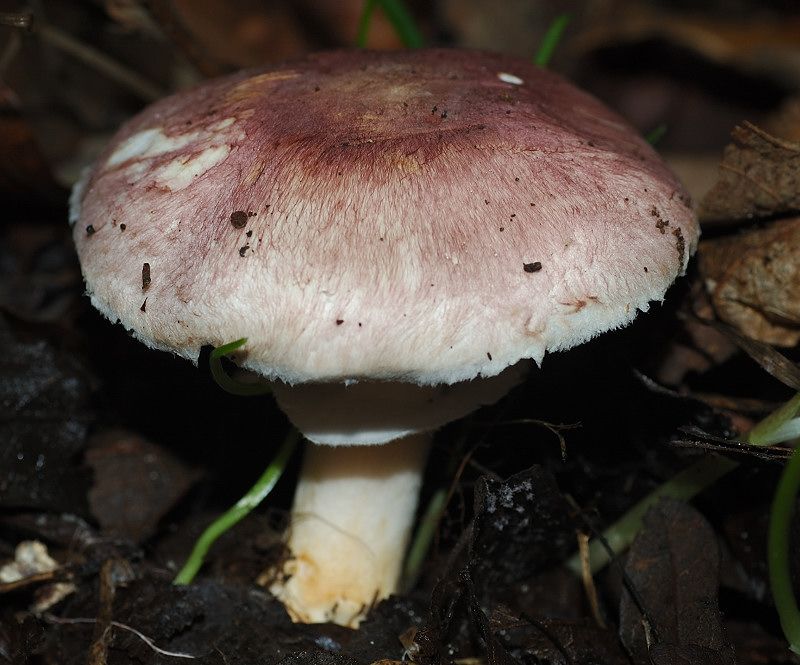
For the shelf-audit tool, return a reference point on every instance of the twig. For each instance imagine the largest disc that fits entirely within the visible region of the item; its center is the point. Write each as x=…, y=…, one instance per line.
x=116, y=624
x=588, y=580
x=123, y=75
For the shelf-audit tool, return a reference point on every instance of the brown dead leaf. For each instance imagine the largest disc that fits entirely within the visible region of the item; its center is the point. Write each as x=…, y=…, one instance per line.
x=759, y=177
x=674, y=567
x=672, y=654
x=135, y=483
x=754, y=281
x=563, y=641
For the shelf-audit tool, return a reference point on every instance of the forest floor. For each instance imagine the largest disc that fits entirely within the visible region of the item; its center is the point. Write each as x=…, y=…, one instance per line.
x=114, y=458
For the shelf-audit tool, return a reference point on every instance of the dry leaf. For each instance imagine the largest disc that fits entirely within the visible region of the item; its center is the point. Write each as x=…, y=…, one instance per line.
x=759, y=177
x=674, y=567
x=754, y=281
x=136, y=483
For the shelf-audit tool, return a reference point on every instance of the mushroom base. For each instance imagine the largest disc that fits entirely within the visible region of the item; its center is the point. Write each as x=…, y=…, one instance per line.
x=353, y=511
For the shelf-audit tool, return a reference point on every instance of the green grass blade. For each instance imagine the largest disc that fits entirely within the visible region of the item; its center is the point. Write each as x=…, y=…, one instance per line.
x=426, y=532
x=254, y=496
x=401, y=19
x=551, y=39
x=780, y=578
x=656, y=134
x=686, y=484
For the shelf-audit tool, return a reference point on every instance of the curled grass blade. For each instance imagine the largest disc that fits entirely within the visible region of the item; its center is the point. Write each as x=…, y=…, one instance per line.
x=224, y=380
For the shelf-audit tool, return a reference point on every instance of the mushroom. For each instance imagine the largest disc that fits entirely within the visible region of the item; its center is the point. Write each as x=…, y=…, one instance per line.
x=396, y=234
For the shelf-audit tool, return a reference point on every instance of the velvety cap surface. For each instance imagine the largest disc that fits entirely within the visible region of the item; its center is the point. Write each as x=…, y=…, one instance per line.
x=424, y=215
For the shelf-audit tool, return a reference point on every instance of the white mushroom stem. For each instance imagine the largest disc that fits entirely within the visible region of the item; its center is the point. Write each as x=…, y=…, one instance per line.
x=353, y=514
x=356, y=501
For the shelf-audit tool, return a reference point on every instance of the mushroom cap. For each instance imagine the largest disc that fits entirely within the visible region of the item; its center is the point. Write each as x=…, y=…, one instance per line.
x=427, y=216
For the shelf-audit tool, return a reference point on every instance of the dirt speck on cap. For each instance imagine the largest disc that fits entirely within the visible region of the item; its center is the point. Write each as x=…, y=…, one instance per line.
x=239, y=219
